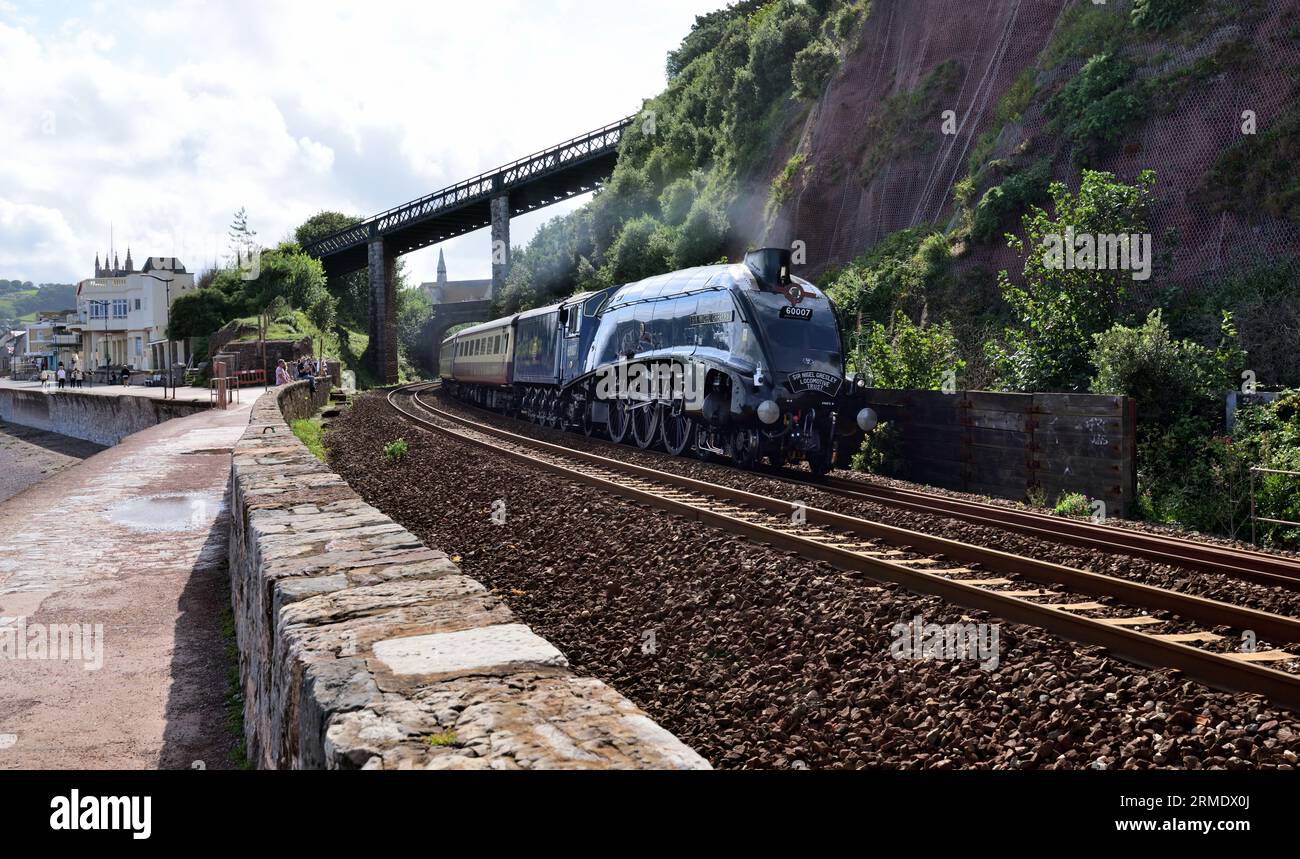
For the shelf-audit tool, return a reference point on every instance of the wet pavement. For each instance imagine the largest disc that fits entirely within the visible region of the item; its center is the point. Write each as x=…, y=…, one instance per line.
x=123, y=554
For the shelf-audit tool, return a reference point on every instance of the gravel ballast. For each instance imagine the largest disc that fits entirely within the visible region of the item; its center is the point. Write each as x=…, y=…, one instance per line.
x=759, y=659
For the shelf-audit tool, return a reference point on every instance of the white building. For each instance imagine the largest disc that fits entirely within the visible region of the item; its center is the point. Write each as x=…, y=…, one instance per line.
x=123, y=314
x=53, y=340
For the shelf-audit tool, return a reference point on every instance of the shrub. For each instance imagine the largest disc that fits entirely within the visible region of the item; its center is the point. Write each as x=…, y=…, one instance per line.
x=813, y=68
x=882, y=452
x=1059, y=311
x=1074, y=506
x=783, y=184
x=396, y=451
x=1009, y=198
x=910, y=356
x=1158, y=15
x=643, y=249
x=1097, y=106
x=701, y=238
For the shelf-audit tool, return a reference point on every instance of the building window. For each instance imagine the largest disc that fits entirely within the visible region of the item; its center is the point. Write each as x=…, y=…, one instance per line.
x=137, y=304
x=119, y=308
x=97, y=310
x=139, y=347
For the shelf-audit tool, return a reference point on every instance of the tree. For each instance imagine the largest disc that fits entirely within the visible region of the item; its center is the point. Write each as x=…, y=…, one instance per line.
x=414, y=310
x=243, y=238
x=198, y=314
x=351, y=290
x=813, y=68
x=321, y=314
x=910, y=356
x=1060, y=309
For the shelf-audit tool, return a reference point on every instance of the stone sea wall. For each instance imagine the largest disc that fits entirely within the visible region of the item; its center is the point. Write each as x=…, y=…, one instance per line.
x=362, y=648
x=104, y=420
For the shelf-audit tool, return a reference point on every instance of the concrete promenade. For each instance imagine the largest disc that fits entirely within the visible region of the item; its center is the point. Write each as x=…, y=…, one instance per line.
x=129, y=545
x=247, y=396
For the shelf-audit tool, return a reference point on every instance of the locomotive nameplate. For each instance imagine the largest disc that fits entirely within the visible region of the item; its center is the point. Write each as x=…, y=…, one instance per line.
x=801, y=313
x=815, y=380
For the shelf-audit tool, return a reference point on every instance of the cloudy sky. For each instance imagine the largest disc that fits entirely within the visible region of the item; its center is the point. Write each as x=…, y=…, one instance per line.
x=159, y=120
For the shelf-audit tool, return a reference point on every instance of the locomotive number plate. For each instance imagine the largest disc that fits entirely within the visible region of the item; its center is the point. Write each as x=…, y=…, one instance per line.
x=800, y=313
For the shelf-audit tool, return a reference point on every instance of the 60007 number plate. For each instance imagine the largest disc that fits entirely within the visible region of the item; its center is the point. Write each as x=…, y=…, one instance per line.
x=801, y=313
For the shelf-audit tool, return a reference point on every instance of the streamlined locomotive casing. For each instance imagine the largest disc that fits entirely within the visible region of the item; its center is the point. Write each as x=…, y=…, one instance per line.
x=747, y=358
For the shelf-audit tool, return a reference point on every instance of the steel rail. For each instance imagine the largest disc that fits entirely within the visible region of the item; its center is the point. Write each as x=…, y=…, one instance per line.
x=698, y=501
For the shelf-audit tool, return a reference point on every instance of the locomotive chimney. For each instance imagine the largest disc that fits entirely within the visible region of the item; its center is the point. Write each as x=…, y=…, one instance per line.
x=771, y=266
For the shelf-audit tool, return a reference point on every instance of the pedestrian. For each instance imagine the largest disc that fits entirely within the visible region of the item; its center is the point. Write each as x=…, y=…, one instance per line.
x=282, y=374
x=62, y=375
x=45, y=380
x=76, y=378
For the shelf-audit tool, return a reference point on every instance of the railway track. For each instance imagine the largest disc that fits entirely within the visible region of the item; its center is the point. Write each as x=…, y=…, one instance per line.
x=1194, y=636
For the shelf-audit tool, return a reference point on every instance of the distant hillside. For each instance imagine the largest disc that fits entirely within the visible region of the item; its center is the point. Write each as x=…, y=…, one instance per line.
x=20, y=301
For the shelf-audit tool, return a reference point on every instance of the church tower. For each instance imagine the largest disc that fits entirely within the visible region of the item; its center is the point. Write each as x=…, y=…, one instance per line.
x=130, y=267
x=442, y=269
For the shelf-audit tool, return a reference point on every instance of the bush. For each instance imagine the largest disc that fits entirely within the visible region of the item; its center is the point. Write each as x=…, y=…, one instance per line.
x=1097, y=106
x=1059, y=311
x=1158, y=15
x=644, y=249
x=1074, y=506
x=700, y=240
x=396, y=451
x=882, y=452
x=1009, y=198
x=813, y=68
x=910, y=356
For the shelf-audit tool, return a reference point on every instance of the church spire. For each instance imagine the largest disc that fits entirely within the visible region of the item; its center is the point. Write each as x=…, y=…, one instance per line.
x=442, y=267
x=98, y=271
x=130, y=267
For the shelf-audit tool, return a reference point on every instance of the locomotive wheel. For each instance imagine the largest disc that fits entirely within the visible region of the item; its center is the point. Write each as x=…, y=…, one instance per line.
x=820, y=463
x=551, y=412
x=744, y=448
x=676, y=432
x=585, y=421
x=619, y=421
x=645, y=426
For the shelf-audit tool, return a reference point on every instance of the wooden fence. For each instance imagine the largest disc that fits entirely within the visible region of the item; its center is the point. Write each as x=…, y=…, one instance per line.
x=1009, y=445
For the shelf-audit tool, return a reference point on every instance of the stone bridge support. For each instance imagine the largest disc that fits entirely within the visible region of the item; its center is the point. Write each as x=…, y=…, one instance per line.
x=500, y=243
x=383, y=311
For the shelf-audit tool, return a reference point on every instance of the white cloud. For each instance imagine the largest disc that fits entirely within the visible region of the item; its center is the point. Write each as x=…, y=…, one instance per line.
x=160, y=120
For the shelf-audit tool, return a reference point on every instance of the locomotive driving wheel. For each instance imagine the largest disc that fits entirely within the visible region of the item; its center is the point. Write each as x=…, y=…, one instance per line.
x=619, y=421
x=676, y=431
x=645, y=425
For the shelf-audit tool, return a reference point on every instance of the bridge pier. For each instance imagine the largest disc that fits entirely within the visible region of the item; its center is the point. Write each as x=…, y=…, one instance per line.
x=383, y=311
x=500, y=243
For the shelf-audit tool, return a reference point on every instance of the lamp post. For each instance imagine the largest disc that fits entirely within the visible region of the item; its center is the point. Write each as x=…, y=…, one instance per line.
x=105, y=305
x=167, y=283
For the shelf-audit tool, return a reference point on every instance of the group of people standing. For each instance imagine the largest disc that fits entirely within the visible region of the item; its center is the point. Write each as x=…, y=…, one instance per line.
x=63, y=377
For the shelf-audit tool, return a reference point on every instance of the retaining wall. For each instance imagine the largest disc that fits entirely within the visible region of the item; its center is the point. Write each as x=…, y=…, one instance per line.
x=104, y=420
x=362, y=648
x=1009, y=445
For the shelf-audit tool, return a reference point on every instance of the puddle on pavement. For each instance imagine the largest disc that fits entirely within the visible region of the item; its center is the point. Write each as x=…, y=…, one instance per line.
x=191, y=512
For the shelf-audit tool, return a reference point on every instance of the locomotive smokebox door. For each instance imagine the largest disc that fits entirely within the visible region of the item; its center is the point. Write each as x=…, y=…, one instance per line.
x=771, y=267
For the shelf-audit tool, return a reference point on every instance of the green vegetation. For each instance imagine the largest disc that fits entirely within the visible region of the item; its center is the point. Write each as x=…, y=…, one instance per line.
x=814, y=66
x=905, y=123
x=1057, y=311
x=730, y=99
x=1002, y=202
x=445, y=740
x=882, y=452
x=311, y=433
x=1074, y=506
x=1261, y=173
x=396, y=451
x=20, y=301
x=910, y=356
x=234, y=703
x=1097, y=106
x=783, y=184
x=1158, y=15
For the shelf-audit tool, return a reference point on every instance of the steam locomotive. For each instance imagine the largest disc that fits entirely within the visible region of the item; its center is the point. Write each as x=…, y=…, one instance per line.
x=742, y=361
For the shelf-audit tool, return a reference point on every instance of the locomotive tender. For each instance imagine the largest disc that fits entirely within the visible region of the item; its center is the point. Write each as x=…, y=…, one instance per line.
x=743, y=361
